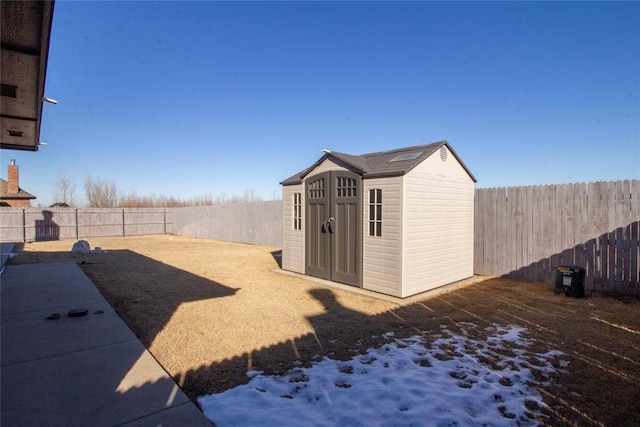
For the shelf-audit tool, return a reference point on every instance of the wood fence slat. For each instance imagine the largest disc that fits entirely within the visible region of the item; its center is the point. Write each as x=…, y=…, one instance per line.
x=491, y=220
x=616, y=235
x=477, y=237
x=614, y=239
x=536, y=227
x=634, y=251
x=508, y=264
x=556, y=212
x=547, y=233
x=603, y=235
x=586, y=254
x=625, y=228
x=521, y=236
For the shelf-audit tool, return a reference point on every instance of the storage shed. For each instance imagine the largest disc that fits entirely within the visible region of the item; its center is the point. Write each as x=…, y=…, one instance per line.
x=398, y=222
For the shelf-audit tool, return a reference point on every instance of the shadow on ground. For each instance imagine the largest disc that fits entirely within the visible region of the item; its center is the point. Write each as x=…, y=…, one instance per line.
x=601, y=352
x=154, y=289
x=598, y=335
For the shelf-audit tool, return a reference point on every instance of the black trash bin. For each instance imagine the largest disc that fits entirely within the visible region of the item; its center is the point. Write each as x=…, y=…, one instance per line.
x=570, y=280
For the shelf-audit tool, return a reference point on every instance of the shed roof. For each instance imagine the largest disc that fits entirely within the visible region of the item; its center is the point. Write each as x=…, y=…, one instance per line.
x=4, y=193
x=383, y=163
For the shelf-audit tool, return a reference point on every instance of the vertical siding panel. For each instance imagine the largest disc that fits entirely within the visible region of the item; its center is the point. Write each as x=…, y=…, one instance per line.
x=439, y=231
x=382, y=263
x=293, y=247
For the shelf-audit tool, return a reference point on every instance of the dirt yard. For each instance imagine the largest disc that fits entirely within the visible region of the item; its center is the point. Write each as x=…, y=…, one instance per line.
x=209, y=311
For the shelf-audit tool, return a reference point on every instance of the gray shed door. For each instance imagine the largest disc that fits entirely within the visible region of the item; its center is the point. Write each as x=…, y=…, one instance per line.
x=333, y=227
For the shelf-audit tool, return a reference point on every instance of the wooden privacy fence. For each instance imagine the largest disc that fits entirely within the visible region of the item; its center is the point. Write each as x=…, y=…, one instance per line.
x=258, y=223
x=526, y=232
x=520, y=232
x=38, y=224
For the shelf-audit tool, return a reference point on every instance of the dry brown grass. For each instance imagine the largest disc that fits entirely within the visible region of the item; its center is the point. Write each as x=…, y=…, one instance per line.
x=209, y=311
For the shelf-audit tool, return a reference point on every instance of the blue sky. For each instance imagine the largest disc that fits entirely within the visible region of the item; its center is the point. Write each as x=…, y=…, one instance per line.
x=187, y=99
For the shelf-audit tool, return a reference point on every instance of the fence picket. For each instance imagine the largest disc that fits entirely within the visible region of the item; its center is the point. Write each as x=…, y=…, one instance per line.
x=595, y=225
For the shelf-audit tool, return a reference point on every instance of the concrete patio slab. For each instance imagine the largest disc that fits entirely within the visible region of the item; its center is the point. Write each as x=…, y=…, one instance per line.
x=77, y=371
x=47, y=286
x=185, y=414
x=30, y=336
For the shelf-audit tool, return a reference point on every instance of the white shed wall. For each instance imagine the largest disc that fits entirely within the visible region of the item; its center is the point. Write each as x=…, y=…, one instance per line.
x=438, y=220
x=382, y=255
x=292, y=240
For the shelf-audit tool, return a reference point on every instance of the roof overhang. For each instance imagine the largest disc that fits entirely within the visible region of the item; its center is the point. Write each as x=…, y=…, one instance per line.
x=26, y=31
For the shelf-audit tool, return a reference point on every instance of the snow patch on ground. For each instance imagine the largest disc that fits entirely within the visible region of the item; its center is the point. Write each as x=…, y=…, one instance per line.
x=454, y=380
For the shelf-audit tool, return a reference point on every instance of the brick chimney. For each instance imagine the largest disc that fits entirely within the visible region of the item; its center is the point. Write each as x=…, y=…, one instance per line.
x=12, y=178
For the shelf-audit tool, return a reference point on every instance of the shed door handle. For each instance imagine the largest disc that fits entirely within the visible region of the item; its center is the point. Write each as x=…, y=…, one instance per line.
x=327, y=225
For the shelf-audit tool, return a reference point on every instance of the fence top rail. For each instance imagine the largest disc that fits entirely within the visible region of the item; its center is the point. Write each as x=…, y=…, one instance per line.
x=630, y=180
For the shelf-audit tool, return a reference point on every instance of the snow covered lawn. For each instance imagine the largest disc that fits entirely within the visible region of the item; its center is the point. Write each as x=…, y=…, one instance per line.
x=453, y=380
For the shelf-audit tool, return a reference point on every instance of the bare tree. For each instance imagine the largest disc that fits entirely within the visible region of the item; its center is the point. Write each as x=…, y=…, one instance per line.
x=101, y=194
x=64, y=189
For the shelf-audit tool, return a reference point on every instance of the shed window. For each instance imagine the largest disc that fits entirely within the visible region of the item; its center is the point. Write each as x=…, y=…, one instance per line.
x=346, y=187
x=375, y=212
x=297, y=211
x=316, y=189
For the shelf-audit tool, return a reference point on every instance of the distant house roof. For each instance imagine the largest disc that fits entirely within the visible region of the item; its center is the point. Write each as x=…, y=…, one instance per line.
x=383, y=163
x=21, y=193
x=60, y=205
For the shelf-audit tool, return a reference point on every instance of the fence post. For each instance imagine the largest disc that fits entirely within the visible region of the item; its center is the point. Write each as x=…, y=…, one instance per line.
x=123, y=226
x=24, y=226
x=77, y=226
x=164, y=221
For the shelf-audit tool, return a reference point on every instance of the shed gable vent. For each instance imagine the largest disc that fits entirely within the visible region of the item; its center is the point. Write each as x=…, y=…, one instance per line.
x=443, y=154
x=406, y=156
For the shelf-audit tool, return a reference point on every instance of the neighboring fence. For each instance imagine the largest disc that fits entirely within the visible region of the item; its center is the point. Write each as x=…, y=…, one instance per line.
x=526, y=232
x=258, y=223
x=38, y=224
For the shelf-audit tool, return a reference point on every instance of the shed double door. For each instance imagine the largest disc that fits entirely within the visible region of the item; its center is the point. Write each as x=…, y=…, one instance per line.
x=333, y=227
